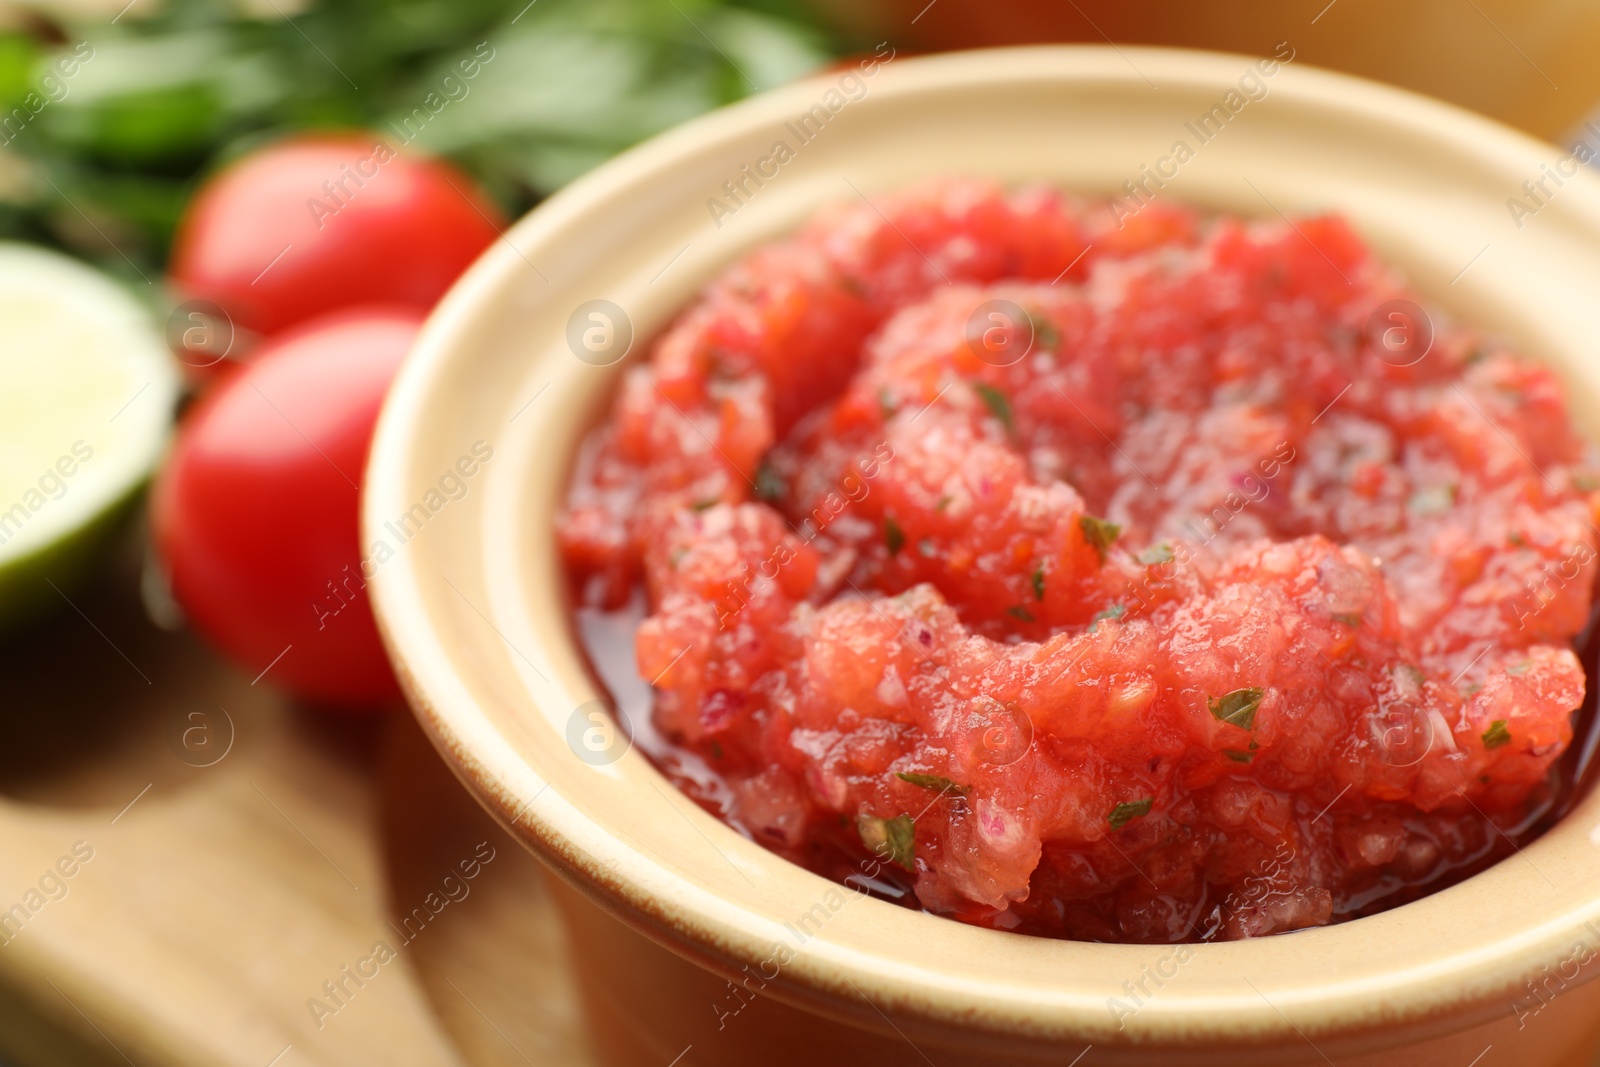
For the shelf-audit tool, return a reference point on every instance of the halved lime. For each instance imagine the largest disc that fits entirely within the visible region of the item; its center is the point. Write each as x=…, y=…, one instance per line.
x=87, y=390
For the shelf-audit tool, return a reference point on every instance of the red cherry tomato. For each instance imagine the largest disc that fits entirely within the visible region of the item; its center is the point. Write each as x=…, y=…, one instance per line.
x=315, y=223
x=256, y=512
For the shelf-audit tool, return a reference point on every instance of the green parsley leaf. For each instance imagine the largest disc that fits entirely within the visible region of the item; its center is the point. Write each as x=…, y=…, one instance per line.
x=1516, y=670
x=1155, y=554
x=1237, y=708
x=937, y=783
x=1038, y=583
x=703, y=505
x=1237, y=756
x=1127, y=811
x=1099, y=533
x=676, y=556
x=886, y=402
x=1044, y=331
x=716, y=750
x=1496, y=735
x=1017, y=611
x=1351, y=621
x=943, y=503
x=998, y=404
x=1115, y=611
x=770, y=485
x=1585, y=481
x=894, y=538
x=892, y=839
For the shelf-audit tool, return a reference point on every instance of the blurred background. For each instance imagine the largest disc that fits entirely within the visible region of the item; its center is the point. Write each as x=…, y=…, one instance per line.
x=256, y=824
x=178, y=87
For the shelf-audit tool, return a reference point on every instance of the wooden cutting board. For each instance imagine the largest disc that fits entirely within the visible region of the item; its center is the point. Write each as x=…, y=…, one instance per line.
x=217, y=882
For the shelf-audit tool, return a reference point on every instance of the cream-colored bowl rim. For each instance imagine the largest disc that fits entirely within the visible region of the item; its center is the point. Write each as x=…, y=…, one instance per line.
x=471, y=605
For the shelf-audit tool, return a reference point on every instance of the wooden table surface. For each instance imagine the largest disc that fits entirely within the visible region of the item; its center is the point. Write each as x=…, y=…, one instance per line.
x=228, y=879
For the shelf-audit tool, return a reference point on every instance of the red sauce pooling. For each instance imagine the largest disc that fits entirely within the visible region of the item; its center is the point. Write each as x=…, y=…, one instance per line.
x=1216, y=614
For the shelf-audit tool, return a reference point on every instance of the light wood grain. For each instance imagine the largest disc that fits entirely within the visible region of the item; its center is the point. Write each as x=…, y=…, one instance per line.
x=219, y=903
x=496, y=974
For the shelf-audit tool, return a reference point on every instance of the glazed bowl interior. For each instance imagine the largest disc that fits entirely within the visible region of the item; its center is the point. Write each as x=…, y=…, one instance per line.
x=473, y=602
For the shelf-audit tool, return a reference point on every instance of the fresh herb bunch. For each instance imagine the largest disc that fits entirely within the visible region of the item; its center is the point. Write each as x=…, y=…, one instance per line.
x=101, y=161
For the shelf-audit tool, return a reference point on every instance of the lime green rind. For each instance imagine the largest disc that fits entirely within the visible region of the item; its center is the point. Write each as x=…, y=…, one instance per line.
x=81, y=343
x=48, y=579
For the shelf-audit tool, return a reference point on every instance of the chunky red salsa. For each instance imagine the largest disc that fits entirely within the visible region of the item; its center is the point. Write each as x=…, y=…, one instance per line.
x=1177, y=580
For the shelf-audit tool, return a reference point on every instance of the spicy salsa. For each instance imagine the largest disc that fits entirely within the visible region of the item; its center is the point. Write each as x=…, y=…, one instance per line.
x=1174, y=580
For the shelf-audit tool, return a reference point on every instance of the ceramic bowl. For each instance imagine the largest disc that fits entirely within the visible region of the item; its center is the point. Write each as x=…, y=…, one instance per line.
x=475, y=446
